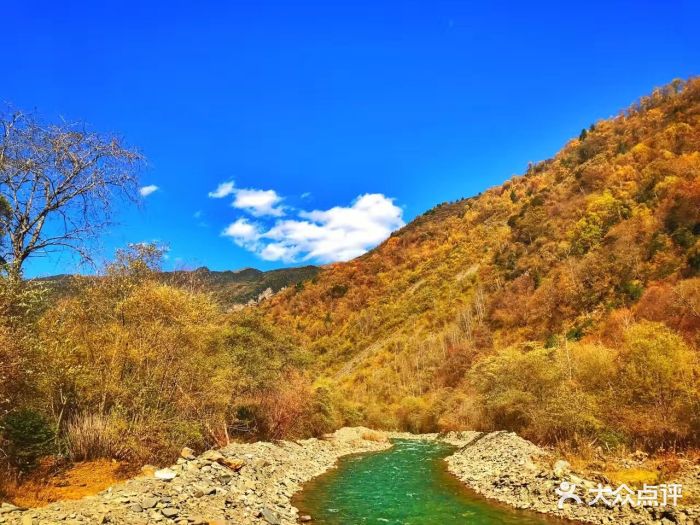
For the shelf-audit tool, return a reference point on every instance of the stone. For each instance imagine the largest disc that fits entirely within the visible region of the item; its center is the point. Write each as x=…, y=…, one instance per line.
x=270, y=516
x=147, y=470
x=165, y=474
x=260, y=463
x=305, y=518
x=170, y=512
x=639, y=455
x=231, y=463
x=149, y=503
x=6, y=508
x=187, y=453
x=212, y=456
x=561, y=468
x=135, y=507
x=201, y=489
x=248, y=484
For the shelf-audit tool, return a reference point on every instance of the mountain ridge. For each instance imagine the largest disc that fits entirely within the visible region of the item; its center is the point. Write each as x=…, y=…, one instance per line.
x=230, y=287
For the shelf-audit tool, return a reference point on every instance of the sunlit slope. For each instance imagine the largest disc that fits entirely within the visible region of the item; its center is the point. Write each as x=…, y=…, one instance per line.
x=603, y=233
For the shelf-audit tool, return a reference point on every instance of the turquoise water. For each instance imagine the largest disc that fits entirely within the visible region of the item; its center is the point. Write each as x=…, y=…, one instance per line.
x=408, y=484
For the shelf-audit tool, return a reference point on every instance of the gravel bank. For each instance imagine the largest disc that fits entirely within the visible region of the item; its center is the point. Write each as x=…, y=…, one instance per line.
x=241, y=484
x=510, y=469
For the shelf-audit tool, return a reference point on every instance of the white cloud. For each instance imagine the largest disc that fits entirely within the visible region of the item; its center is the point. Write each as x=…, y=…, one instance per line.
x=259, y=202
x=243, y=233
x=278, y=252
x=145, y=191
x=338, y=234
x=222, y=190
x=256, y=202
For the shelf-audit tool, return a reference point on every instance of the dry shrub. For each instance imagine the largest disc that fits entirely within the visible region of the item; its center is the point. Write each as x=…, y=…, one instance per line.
x=415, y=414
x=152, y=357
x=372, y=435
x=379, y=416
x=93, y=436
x=285, y=409
x=462, y=411
x=644, y=394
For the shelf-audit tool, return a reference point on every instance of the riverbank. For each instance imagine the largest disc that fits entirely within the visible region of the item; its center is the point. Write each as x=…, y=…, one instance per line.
x=510, y=469
x=241, y=483
x=254, y=483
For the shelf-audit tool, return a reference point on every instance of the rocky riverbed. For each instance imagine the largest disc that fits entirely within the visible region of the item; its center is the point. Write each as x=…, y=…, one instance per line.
x=505, y=467
x=253, y=484
x=241, y=484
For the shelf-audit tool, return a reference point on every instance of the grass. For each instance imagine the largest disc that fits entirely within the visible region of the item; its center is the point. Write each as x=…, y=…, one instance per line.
x=51, y=482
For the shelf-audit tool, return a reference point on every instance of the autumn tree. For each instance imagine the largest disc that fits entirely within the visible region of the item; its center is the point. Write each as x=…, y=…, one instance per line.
x=57, y=186
x=133, y=362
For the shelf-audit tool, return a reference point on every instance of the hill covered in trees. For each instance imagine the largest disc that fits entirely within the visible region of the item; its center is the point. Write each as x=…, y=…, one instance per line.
x=563, y=304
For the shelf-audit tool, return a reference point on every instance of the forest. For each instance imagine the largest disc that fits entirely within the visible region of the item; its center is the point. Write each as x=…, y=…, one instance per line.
x=563, y=305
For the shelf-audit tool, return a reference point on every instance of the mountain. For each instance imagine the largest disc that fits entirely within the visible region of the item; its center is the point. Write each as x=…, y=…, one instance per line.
x=241, y=286
x=568, y=269
x=228, y=287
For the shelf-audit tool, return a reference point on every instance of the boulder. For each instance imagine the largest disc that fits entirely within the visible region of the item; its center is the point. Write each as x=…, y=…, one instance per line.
x=149, y=503
x=561, y=468
x=8, y=507
x=187, y=453
x=165, y=474
x=212, y=456
x=270, y=516
x=232, y=463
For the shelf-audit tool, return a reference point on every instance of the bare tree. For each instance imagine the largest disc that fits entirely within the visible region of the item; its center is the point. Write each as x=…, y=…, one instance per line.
x=58, y=183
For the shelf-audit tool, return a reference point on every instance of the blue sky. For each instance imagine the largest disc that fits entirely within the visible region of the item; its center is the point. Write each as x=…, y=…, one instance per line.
x=334, y=121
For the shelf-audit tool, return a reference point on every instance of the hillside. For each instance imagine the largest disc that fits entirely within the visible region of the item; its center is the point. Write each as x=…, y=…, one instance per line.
x=536, y=304
x=228, y=287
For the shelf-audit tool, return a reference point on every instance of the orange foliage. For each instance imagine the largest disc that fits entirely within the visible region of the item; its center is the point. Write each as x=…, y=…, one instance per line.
x=579, y=247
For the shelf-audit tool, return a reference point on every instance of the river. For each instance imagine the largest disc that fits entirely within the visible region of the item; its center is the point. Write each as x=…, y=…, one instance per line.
x=408, y=485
